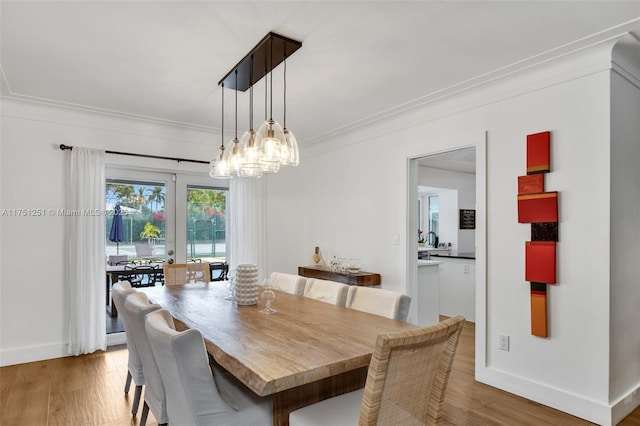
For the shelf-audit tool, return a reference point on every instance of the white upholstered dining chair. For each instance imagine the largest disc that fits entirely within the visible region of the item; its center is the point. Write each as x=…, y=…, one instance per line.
x=386, y=303
x=196, y=397
x=136, y=308
x=406, y=382
x=119, y=292
x=326, y=291
x=289, y=283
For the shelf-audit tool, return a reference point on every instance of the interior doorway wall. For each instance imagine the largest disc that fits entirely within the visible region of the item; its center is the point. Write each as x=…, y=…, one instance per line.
x=447, y=159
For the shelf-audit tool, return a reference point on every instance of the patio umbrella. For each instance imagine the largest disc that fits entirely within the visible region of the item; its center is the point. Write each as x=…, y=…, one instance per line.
x=116, y=234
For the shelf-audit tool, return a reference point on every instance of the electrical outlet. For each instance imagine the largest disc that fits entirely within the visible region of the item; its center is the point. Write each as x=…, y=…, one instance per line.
x=396, y=239
x=466, y=269
x=504, y=343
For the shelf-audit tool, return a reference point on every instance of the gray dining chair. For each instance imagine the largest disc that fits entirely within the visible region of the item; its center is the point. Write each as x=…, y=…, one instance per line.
x=136, y=308
x=386, y=303
x=289, y=283
x=119, y=292
x=196, y=396
x=406, y=382
x=326, y=291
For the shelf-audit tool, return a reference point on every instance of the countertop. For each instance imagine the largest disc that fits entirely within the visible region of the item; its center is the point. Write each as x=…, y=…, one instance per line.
x=455, y=255
x=424, y=262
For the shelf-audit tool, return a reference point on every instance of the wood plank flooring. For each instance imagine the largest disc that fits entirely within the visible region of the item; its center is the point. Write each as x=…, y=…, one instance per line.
x=88, y=390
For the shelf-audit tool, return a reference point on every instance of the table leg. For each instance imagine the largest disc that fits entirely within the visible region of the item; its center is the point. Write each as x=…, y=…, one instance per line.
x=291, y=399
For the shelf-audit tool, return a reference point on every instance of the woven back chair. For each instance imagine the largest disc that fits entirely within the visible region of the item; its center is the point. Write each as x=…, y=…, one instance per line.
x=410, y=363
x=406, y=382
x=182, y=273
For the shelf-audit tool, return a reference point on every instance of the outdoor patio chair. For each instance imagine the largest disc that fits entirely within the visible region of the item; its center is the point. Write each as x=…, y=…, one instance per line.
x=145, y=275
x=144, y=251
x=218, y=271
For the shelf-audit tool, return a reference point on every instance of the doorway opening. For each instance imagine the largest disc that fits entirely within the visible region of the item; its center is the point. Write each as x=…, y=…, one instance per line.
x=446, y=262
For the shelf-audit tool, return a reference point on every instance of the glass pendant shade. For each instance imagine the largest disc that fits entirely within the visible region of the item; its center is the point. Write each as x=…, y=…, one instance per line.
x=270, y=167
x=272, y=138
x=219, y=168
x=250, y=145
x=289, y=154
x=233, y=157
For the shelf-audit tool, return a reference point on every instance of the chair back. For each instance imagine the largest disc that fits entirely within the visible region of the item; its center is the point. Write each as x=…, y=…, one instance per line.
x=144, y=275
x=386, y=303
x=408, y=375
x=192, y=398
x=119, y=292
x=293, y=284
x=182, y=273
x=218, y=271
x=326, y=291
x=116, y=259
x=143, y=250
x=136, y=308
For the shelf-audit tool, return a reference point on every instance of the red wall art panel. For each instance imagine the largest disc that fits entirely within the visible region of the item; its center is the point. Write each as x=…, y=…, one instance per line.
x=530, y=184
x=540, y=261
x=538, y=153
x=539, y=309
x=540, y=209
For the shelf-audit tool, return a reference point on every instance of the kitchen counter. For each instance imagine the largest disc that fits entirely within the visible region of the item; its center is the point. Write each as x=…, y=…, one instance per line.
x=454, y=255
x=424, y=262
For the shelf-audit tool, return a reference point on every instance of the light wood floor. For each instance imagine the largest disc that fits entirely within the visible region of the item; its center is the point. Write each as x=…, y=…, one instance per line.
x=88, y=390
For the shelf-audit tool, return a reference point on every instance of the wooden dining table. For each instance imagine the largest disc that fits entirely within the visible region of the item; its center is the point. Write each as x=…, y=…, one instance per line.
x=306, y=352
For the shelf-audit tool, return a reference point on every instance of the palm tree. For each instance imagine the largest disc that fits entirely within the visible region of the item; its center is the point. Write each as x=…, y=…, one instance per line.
x=157, y=196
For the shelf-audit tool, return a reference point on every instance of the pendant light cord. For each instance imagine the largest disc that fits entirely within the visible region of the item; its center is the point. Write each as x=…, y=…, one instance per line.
x=251, y=96
x=284, y=108
x=236, y=137
x=271, y=79
x=222, y=125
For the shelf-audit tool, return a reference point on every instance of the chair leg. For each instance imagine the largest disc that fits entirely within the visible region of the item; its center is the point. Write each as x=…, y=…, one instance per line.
x=145, y=413
x=136, y=400
x=127, y=384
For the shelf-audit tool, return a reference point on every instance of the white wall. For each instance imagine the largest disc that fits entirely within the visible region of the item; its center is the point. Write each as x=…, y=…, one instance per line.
x=465, y=184
x=355, y=195
x=33, y=320
x=625, y=229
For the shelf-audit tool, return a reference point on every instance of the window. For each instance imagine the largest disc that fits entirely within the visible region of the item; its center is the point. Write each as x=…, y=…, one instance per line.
x=434, y=220
x=206, y=223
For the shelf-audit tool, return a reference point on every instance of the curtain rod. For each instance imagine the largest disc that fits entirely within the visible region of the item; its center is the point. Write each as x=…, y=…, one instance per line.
x=64, y=147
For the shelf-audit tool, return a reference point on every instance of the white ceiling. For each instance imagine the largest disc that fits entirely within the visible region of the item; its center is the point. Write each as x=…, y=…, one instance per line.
x=359, y=60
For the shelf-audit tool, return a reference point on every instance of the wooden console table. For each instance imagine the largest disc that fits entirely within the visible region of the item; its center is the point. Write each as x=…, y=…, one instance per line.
x=352, y=278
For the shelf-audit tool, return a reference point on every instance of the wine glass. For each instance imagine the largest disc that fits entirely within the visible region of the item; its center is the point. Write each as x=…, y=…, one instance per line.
x=231, y=285
x=268, y=296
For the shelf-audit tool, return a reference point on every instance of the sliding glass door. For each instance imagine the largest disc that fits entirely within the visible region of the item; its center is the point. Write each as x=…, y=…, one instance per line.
x=174, y=216
x=145, y=202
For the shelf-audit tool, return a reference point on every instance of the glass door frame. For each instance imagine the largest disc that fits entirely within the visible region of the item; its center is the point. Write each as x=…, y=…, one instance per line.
x=164, y=178
x=183, y=181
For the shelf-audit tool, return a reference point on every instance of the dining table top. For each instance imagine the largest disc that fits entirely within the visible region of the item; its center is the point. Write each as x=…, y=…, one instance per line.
x=304, y=342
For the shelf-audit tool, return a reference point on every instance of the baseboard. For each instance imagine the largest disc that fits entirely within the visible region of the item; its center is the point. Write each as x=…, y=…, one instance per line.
x=49, y=351
x=116, y=339
x=32, y=354
x=575, y=405
x=625, y=405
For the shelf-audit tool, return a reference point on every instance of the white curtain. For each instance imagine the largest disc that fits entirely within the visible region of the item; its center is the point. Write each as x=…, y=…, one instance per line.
x=85, y=252
x=247, y=218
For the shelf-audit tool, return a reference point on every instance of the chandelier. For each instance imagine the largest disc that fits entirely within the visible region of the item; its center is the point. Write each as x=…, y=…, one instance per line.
x=271, y=146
